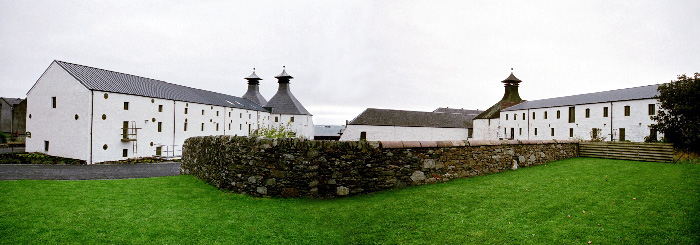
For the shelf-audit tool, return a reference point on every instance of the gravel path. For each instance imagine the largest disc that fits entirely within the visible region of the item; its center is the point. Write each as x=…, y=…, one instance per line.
x=87, y=172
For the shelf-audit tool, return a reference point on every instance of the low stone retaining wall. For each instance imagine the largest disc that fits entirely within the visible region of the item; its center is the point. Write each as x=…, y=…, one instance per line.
x=294, y=167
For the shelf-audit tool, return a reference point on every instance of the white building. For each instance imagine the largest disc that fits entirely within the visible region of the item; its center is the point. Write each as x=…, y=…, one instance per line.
x=97, y=115
x=616, y=115
x=398, y=125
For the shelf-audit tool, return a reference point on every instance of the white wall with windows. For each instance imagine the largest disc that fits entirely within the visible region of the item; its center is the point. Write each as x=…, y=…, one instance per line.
x=619, y=120
x=397, y=133
x=58, y=115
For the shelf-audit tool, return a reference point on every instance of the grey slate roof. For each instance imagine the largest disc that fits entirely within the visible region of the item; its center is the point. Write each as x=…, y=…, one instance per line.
x=117, y=82
x=328, y=130
x=459, y=111
x=12, y=101
x=387, y=117
x=636, y=93
x=284, y=102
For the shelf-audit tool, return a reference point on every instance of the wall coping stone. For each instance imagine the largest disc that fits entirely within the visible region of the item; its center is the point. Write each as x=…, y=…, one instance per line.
x=461, y=143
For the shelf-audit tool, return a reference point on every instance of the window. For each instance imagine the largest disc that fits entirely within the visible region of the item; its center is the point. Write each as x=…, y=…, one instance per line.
x=595, y=133
x=160, y=108
x=588, y=113
x=622, y=134
x=551, y=131
x=217, y=113
x=248, y=116
x=291, y=119
x=53, y=102
x=159, y=150
x=202, y=126
x=627, y=110
x=240, y=126
x=652, y=109
x=217, y=127
x=535, y=131
x=506, y=117
x=572, y=114
x=125, y=129
x=605, y=111
x=558, y=114
x=470, y=133
x=545, y=115
x=512, y=133
x=515, y=116
x=241, y=115
x=202, y=112
x=523, y=115
x=46, y=145
x=185, y=110
x=276, y=119
x=229, y=114
x=229, y=126
x=521, y=131
x=571, y=132
x=533, y=115
x=126, y=106
x=363, y=135
x=160, y=126
x=249, y=128
x=185, y=127
x=125, y=152
x=652, y=135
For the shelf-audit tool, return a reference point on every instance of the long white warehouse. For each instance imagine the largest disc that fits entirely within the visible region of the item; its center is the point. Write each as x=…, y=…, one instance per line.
x=97, y=115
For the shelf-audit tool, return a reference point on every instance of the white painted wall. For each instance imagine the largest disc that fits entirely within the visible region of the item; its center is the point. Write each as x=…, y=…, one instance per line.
x=395, y=133
x=303, y=125
x=67, y=136
x=636, y=125
x=487, y=129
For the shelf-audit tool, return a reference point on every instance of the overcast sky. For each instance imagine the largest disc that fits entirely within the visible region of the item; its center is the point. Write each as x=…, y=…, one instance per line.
x=346, y=56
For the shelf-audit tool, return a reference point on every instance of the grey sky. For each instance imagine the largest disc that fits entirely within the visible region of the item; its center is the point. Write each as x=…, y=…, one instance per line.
x=350, y=55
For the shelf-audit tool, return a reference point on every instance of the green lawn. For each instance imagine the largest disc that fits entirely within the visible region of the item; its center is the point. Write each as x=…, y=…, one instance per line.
x=571, y=201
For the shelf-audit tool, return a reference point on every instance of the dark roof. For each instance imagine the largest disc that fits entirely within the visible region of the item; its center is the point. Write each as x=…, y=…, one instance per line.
x=386, y=117
x=284, y=102
x=636, y=93
x=328, y=130
x=511, y=79
x=12, y=101
x=459, y=111
x=284, y=74
x=253, y=76
x=117, y=82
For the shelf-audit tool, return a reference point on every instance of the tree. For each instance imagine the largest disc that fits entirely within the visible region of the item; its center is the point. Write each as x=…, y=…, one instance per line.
x=678, y=117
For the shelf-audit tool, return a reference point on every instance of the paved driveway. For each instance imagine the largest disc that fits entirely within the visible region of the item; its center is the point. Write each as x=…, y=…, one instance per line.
x=86, y=172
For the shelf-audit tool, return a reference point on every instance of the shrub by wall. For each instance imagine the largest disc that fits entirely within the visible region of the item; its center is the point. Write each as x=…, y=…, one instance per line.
x=295, y=167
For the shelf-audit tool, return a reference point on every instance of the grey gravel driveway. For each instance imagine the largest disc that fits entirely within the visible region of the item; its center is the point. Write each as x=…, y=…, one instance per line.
x=87, y=172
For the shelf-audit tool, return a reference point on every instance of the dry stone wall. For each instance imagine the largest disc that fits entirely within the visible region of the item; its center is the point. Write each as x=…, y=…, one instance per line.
x=324, y=169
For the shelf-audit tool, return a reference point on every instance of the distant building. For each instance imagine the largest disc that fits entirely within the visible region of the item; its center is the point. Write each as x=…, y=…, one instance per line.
x=98, y=115
x=328, y=132
x=13, y=112
x=616, y=115
x=384, y=124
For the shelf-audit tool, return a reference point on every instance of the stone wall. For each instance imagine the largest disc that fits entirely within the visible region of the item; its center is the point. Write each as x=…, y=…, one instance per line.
x=294, y=167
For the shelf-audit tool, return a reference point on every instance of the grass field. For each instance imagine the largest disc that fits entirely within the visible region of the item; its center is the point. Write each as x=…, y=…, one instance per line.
x=571, y=201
